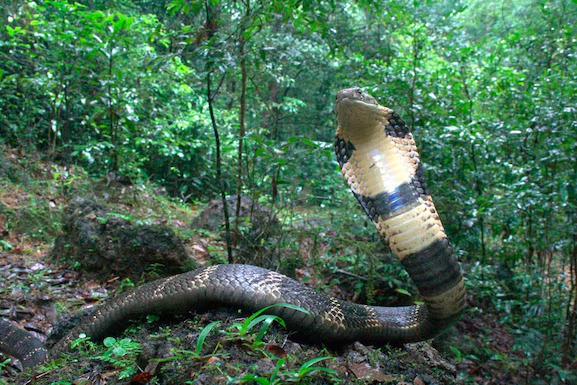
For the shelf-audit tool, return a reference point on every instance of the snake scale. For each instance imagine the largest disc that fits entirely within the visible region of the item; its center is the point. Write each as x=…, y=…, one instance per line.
x=379, y=159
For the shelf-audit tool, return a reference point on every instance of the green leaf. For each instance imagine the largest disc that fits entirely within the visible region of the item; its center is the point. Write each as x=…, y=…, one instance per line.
x=119, y=351
x=259, y=380
x=202, y=336
x=402, y=291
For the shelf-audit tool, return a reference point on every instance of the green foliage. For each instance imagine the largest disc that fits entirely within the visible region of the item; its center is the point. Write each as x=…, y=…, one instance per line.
x=196, y=354
x=6, y=246
x=126, y=284
x=83, y=344
x=180, y=354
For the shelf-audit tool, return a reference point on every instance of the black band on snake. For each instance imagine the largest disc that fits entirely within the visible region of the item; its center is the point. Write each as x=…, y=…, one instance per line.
x=380, y=161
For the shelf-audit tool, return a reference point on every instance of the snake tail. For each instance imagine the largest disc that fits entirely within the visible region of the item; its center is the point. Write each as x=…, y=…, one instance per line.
x=21, y=344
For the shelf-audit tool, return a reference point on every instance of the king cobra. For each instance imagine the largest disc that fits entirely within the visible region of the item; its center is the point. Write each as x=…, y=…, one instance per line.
x=379, y=159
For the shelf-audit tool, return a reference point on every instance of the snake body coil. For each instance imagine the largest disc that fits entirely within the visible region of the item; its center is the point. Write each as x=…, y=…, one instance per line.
x=379, y=159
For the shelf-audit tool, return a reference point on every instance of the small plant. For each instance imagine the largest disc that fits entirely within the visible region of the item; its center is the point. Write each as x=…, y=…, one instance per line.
x=308, y=369
x=266, y=381
x=119, y=215
x=83, y=344
x=154, y=270
x=202, y=337
x=279, y=377
x=460, y=356
x=119, y=353
x=181, y=353
x=6, y=246
x=124, y=285
x=243, y=329
x=151, y=318
x=37, y=277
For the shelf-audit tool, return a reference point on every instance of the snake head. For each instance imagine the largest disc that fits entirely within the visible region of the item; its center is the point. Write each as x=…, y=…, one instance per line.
x=355, y=101
x=356, y=110
x=355, y=93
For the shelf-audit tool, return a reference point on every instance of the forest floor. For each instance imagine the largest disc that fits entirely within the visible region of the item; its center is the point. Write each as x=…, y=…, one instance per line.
x=37, y=293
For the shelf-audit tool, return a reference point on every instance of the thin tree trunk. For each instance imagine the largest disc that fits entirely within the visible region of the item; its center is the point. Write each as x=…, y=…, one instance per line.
x=242, y=113
x=571, y=308
x=111, y=120
x=211, y=30
x=479, y=189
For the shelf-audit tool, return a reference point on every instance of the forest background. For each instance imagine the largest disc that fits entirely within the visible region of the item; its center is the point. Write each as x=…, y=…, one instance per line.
x=213, y=97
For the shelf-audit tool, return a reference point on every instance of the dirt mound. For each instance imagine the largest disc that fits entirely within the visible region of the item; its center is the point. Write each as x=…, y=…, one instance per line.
x=102, y=244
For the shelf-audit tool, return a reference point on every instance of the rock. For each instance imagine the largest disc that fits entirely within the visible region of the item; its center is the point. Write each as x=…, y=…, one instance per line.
x=428, y=355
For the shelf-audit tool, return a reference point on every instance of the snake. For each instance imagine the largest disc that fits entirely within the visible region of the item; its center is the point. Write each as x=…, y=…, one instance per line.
x=380, y=161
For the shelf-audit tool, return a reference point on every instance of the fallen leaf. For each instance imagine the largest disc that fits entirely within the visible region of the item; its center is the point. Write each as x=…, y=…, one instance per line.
x=198, y=248
x=364, y=371
x=212, y=360
x=276, y=350
x=418, y=381
x=141, y=378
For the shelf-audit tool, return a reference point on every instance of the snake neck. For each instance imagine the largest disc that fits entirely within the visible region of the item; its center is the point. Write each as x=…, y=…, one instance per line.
x=380, y=161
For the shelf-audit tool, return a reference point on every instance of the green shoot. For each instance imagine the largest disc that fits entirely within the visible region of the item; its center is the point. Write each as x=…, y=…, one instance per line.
x=265, y=381
x=307, y=368
x=244, y=328
x=202, y=337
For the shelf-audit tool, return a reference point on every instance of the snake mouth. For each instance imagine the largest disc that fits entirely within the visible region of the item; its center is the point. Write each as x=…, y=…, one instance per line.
x=351, y=99
x=356, y=93
x=357, y=113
